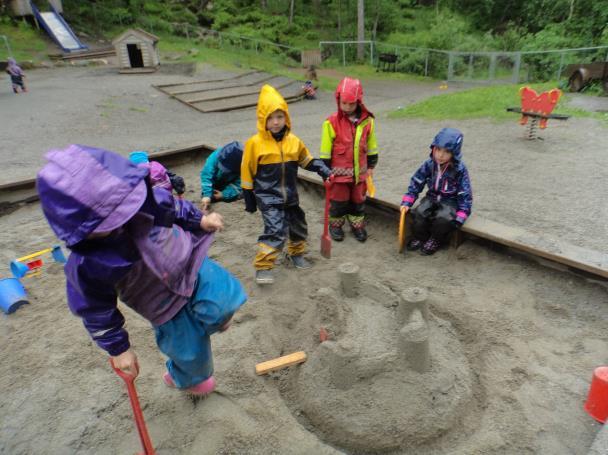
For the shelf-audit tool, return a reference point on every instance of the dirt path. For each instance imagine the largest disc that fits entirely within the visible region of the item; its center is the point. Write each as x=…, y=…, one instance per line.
x=527, y=338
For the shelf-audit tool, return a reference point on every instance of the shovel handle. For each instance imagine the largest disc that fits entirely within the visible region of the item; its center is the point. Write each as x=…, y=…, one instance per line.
x=144, y=437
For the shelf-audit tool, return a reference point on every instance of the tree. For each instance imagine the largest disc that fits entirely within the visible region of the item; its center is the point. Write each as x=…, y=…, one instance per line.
x=360, y=29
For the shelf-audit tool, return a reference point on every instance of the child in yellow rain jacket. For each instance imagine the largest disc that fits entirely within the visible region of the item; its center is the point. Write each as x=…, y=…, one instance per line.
x=268, y=177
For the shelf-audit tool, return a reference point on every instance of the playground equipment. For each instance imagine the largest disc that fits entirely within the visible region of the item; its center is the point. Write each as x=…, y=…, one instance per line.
x=12, y=295
x=536, y=109
x=581, y=74
x=51, y=21
x=31, y=265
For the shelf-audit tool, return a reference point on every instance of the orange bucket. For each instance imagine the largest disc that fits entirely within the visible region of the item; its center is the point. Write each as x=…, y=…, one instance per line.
x=597, y=401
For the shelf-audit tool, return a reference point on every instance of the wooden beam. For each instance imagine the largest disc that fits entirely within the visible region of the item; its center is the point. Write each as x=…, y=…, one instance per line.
x=280, y=363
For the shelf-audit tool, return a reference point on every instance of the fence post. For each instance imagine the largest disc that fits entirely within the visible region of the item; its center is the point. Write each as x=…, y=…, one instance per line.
x=516, y=67
x=371, y=50
x=561, y=65
x=470, y=69
x=492, y=74
x=426, y=64
x=450, y=66
x=343, y=54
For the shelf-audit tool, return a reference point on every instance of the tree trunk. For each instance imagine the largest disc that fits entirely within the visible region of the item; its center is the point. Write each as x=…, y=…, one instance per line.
x=571, y=9
x=339, y=19
x=376, y=20
x=291, y=8
x=263, y=4
x=360, y=29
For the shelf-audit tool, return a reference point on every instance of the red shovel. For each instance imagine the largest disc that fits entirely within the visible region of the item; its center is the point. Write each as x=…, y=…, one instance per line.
x=325, y=238
x=139, y=417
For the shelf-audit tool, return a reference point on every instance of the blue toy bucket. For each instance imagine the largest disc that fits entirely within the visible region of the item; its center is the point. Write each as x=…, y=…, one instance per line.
x=12, y=295
x=139, y=157
x=19, y=269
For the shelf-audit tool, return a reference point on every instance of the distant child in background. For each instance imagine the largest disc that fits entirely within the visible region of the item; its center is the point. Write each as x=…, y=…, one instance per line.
x=311, y=73
x=348, y=146
x=16, y=74
x=309, y=91
x=221, y=175
x=449, y=200
x=133, y=241
x=160, y=177
x=268, y=176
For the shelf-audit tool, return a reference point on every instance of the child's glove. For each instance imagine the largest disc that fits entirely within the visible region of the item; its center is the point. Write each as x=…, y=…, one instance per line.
x=177, y=183
x=324, y=172
x=250, y=204
x=457, y=222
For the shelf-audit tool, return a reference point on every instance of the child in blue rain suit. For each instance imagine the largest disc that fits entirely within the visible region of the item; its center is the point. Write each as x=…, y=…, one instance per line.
x=449, y=200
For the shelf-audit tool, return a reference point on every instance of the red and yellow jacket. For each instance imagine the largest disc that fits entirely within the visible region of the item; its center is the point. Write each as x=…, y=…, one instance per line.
x=270, y=167
x=350, y=147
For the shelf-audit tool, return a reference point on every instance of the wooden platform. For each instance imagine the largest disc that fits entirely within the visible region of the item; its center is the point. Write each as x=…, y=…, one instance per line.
x=237, y=92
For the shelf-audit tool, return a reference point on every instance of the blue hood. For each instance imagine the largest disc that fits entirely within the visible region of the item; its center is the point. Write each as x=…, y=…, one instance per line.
x=230, y=157
x=451, y=139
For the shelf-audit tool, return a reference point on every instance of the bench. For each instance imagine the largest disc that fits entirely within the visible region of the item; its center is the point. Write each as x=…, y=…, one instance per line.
x=386, y=62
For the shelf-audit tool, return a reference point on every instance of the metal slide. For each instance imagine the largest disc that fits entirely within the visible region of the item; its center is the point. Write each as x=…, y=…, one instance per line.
x=58, y=29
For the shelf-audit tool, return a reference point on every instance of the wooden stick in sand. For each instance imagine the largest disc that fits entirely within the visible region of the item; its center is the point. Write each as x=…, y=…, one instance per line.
x=280, y=363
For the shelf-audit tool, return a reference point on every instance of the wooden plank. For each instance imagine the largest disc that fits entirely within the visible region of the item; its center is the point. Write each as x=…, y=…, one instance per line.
x=257, y=80
x=280, y=363
x=578, y=258
x=558, y=251
x=238, y=76
x=235, y=92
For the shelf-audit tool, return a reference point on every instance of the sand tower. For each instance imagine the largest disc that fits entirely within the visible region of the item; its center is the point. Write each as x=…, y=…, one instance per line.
x=392, y=375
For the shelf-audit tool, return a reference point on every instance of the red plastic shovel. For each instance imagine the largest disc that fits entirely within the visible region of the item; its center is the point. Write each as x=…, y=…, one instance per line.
x=139, y=417
x=325, y=238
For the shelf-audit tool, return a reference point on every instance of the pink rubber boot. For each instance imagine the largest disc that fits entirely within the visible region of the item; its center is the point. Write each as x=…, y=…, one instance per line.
x=202, y=388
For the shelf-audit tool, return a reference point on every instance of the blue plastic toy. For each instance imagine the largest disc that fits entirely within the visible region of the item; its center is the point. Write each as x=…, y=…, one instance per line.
x=12, y=295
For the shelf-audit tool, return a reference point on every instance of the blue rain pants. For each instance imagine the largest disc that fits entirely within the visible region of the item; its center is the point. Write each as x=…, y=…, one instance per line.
x=185, y=339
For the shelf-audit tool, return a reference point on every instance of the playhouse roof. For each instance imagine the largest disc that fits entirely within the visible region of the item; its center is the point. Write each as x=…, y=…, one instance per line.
x=138, y=32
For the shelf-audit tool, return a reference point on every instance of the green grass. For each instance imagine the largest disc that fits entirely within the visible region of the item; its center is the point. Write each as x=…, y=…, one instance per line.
x=484, y=102
x=26, y=43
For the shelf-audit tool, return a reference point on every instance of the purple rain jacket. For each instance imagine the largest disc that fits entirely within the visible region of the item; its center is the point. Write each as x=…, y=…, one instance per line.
x=150, y=262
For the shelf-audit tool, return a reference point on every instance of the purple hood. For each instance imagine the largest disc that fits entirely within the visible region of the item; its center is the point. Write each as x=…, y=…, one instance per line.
x=84, y=188
x=151, y=262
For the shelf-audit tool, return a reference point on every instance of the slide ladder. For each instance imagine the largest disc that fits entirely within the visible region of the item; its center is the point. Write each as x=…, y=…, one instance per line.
x=58, y=29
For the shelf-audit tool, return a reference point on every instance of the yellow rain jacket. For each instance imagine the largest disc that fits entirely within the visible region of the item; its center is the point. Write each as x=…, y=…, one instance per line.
x=270, y=167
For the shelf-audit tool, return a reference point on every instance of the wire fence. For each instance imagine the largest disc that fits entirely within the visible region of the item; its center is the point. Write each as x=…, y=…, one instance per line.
x=483, y=67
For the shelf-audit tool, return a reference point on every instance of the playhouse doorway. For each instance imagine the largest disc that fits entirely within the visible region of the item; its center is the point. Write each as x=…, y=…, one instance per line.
x=135, y=58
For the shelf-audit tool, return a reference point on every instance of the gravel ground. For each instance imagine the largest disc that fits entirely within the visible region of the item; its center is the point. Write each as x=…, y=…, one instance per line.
x=549, y=187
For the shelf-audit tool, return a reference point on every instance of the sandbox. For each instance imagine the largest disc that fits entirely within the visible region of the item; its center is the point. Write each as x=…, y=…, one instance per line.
x=510, y=349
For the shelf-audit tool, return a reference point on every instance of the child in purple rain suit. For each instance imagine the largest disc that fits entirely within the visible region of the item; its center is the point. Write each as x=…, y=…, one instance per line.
x=131, y=241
